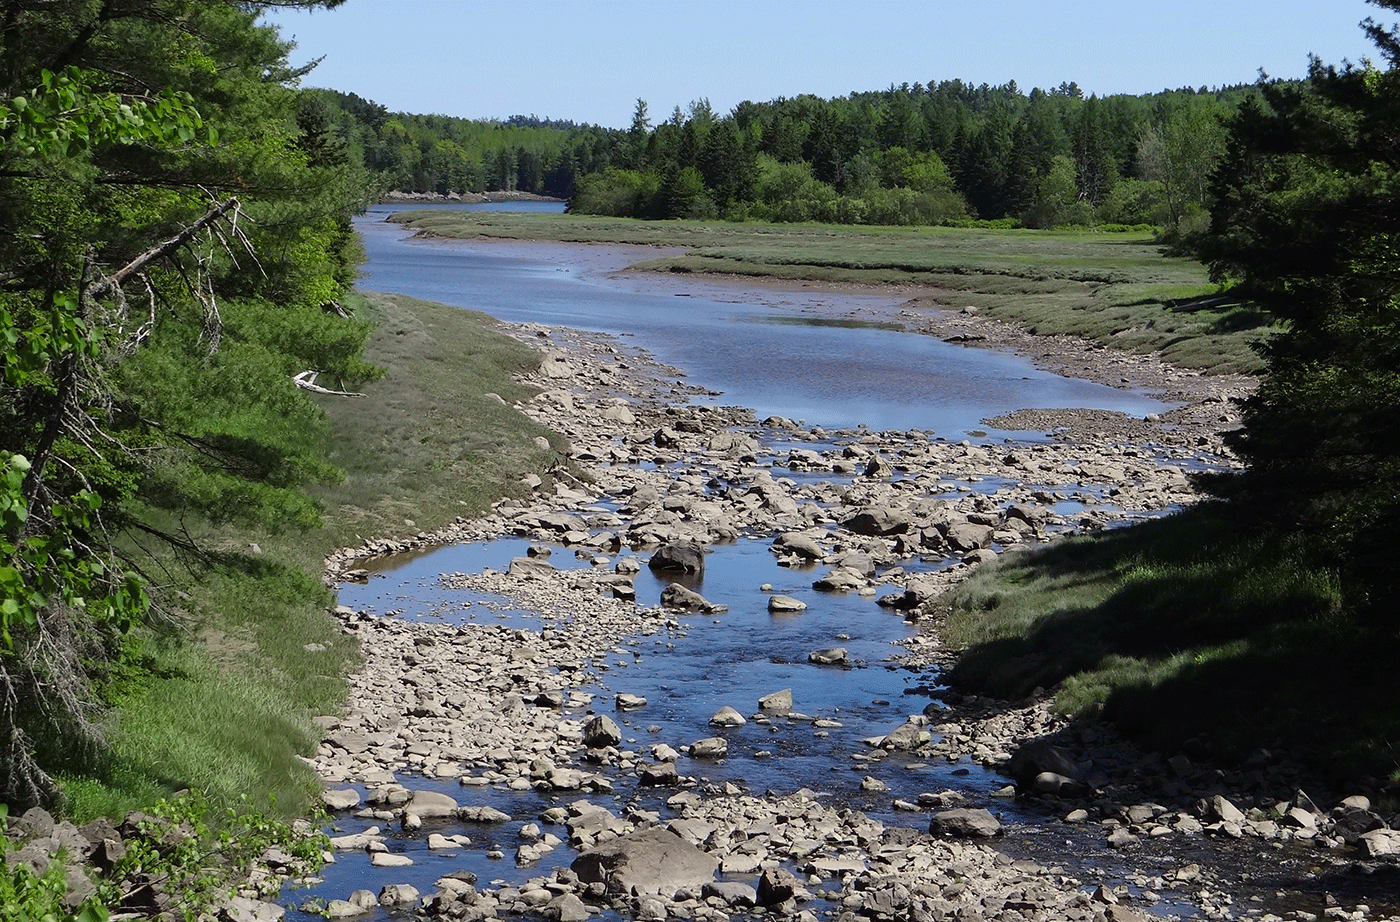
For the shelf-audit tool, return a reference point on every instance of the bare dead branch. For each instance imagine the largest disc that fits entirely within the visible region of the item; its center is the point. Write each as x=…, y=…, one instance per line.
x=307, y=382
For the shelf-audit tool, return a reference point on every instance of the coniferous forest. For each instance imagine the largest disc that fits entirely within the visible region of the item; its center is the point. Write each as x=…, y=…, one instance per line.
x=945, y=153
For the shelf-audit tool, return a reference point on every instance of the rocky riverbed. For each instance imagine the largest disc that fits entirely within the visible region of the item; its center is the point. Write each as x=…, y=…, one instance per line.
x=654, y=477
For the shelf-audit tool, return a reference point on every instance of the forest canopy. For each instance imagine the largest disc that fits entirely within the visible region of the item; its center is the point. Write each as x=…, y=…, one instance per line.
x=944, y=153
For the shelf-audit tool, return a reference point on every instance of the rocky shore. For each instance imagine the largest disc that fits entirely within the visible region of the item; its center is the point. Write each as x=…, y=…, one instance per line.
x=1127, y=834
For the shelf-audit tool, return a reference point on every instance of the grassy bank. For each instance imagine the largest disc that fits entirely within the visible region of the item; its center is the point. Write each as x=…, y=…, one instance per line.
x=1192, y=633
x=222, y=699
x=1115, y=288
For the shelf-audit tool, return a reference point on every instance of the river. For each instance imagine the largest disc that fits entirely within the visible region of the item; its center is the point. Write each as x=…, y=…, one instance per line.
x=801, y=354
x=835, y=360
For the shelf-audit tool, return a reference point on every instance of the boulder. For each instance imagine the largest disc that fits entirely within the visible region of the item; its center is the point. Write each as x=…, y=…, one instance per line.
x=346, y=799
x=840, y=579
x=914, y=595
x=649, y=862
x=566, y=907
x=1225, y=811
x=430, y=804
x=965, y=823
x=803, y=546
x=1379, y=843
x=969, y=536
x=785, y=604
x=685, y=556
x=906, y=737
x=730, y=892
x=679, y=597
x=629, y=702
x=727, y=717
x=831, y=656
x=1057, y=784
x=601, y=731
x=662, y=774
x=712, y=747
x=1040, y=756
x=877, y=521
x=777, y=701
x=531, y=568
x=776, y=886
x=732, y=443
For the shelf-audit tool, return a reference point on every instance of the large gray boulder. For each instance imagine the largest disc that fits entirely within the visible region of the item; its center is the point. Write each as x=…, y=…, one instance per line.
x=684, y=556
x=531, y=568
x=965, y=823
x=776, y=886
x=877, y=521
x=831, y=656
x=969, y=536
x=777, y=701
x=678, y=596
x=785, y=604
x=601, y=732
x=429, y=804
x=1040, y=756
x=649, y=862
x=804, y=546
x=840, y=579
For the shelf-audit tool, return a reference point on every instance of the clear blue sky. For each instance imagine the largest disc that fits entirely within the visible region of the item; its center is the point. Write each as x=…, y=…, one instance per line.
x=589, y=62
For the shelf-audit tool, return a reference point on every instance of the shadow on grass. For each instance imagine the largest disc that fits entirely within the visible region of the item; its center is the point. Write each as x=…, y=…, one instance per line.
x=1190, y=629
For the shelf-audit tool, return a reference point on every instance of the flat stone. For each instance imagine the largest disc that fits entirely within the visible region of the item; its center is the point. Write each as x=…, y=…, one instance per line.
x=965, y=823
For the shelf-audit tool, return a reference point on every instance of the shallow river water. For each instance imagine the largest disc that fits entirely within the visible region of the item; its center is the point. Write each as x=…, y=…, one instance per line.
x=834, y=360
x=778, y=353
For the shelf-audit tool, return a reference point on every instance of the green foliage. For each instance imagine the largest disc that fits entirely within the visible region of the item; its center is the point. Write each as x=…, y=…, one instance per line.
x=1304, y=224
x=64, y=115
x=927, y=155
x=172, y=260
x=199, y=857
x=26, y=896
x=447, y=155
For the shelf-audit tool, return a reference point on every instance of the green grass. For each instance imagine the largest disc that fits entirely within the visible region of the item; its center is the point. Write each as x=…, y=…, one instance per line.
x=1115, y=288
x=428, y=444
x=222, y=701
x=1185, y=629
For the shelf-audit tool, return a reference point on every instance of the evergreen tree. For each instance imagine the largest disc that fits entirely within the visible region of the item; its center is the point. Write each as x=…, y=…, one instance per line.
x=1093, y=157
x=151, y=373
x=1305, y=220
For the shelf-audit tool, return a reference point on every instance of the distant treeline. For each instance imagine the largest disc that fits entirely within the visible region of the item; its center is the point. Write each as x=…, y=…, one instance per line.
x=445, y=155
x=945, y=153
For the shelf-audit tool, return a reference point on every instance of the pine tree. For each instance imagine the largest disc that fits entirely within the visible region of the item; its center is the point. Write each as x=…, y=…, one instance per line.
x=1306, y=223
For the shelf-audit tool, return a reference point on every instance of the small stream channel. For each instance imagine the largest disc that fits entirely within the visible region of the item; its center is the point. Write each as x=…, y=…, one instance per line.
x=731, y=658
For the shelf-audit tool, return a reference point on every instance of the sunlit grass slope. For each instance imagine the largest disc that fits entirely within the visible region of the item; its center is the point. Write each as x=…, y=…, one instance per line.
x=223, y=700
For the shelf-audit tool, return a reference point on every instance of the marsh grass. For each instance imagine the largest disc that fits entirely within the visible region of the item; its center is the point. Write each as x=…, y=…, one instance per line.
x=221, y=699
x=429, y=444
x=1189, y=628
x=1115, y=288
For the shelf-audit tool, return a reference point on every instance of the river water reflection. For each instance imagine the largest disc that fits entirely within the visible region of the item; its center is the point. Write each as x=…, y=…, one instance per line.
x=830, y=359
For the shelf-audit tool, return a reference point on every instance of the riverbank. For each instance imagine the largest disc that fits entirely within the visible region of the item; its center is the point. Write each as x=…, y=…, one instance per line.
x=655, y=470
x=1117, y=290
